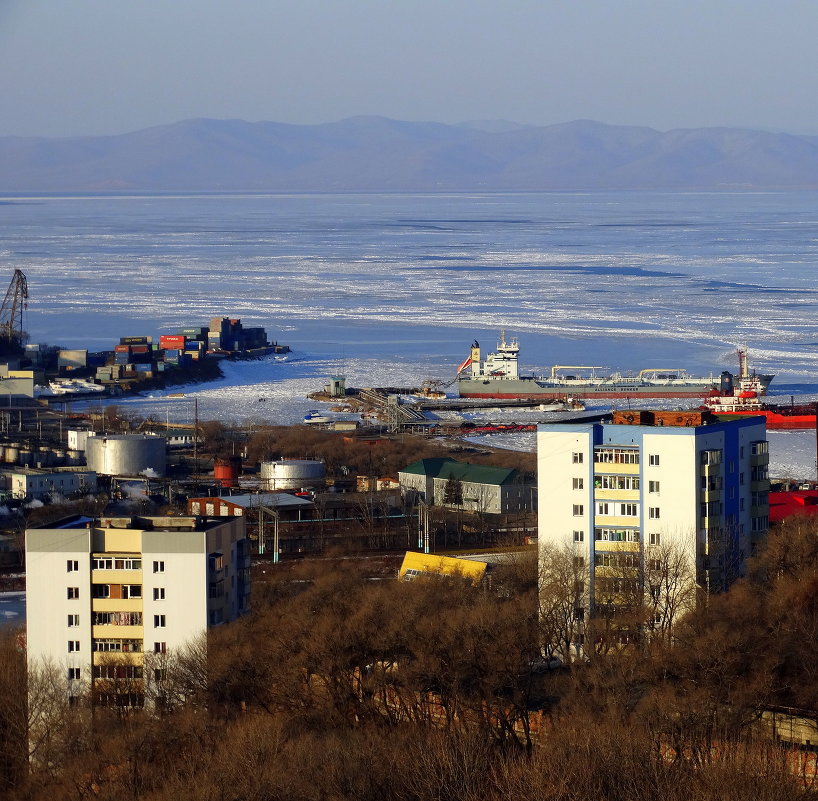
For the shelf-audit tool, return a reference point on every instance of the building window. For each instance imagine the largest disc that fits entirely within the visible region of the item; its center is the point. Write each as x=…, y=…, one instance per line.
x=616, y=456
x=158, y=621
x=109, y=645
x=579, y=510
x=655, y=538
x=602, y=508
x=653, y=512
x=72, y=565
x=131, y=590
x=116, y=618
x=120, y=563
x=577, y=457
x=757, y=448
x=615, y=482
x=160, y=647
x=73, y=645
x=653, y=459
x=73, y=593
x=579, y=536
x=158, y=593
x=73, y=620
x=158, y=567
x=578, y=483
x=579, y=562
x=629, y=510
x=653, y=486
x=616, y=535
x=74, y=674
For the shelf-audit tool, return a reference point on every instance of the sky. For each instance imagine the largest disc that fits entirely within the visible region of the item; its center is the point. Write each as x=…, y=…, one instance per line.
x=91, y=67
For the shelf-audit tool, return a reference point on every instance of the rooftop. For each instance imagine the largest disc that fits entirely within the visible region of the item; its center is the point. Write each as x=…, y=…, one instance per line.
x=447, y=468
x=148, y=523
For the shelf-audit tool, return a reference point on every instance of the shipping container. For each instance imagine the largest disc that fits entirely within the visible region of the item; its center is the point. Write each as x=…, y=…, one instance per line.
x=122, y=348
x=172, y=341
x=193, y=333
x=172, y=352
x=140, y=349
x=135, y=340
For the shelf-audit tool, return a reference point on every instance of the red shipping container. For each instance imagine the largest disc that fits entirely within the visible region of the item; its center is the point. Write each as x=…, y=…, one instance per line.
x=140, y=349
x=172, y=342
x=122, y=348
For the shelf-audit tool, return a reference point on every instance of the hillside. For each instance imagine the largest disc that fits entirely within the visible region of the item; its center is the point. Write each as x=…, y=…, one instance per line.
x=378, y=154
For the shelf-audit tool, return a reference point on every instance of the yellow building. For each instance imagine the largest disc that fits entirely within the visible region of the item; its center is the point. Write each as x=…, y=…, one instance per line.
x=417, y=565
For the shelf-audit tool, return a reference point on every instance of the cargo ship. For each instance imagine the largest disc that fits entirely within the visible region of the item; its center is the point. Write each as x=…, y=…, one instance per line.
x=498, y=377
x=741, y=398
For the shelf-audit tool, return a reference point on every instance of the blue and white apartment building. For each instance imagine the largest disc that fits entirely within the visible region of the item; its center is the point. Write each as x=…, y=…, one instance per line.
x=623, y=495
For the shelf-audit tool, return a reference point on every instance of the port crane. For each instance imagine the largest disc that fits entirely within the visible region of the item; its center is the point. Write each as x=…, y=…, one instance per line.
x=11, y=312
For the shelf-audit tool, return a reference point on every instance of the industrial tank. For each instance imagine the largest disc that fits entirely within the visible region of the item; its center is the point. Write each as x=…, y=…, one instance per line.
x=226, y=471
x=126, y=454
x=291, y=473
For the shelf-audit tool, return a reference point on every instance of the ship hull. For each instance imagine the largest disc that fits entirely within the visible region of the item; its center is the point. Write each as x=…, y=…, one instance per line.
x=533, y=389
x=777, y=421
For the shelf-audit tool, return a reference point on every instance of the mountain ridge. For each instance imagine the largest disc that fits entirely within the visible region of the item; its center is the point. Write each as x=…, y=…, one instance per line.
x=373, y=153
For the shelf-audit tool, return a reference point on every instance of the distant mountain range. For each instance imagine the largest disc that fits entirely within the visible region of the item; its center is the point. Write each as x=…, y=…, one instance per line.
x=364, y=154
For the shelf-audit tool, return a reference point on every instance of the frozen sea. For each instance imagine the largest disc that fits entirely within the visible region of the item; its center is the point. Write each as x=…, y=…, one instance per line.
x=392, y=289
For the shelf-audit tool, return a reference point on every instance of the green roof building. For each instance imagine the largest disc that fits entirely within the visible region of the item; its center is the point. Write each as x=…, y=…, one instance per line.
x=472, y=487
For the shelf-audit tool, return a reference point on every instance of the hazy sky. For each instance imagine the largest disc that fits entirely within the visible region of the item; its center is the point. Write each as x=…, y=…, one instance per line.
x=110, y=66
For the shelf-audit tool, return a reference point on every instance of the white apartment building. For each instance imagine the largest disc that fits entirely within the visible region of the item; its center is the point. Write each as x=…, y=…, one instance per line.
x=102, y=594
x=621, y=495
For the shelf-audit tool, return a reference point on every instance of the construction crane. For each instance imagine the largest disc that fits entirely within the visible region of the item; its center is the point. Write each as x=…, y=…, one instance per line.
x=11, y=312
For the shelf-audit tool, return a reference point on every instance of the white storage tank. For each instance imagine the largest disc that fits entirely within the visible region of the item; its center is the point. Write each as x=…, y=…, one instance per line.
x=291, y=473
x=126, y=454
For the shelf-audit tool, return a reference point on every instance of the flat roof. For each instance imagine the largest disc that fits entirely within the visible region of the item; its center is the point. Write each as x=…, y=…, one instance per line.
x=146, y=523
x=250, y=500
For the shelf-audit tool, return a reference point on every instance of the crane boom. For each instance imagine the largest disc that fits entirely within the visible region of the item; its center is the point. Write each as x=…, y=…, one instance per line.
x=11, y=312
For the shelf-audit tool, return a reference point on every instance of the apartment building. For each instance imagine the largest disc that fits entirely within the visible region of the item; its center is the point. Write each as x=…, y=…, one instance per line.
x=104, y=594
x=628, y=496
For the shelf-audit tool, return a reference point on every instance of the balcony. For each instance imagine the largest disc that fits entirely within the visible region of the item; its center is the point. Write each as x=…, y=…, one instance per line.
x=615, y=468
x=111, y=632
x=615, y=521
x=116, y=604
x=617, y=494
x=712, y=470
x=116, y=576
x=607, y=545
x=760, y=485
x=122, y=657
x=759, y=459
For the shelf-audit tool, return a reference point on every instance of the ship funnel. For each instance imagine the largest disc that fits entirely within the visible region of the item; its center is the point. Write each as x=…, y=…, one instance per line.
x=726, y=383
